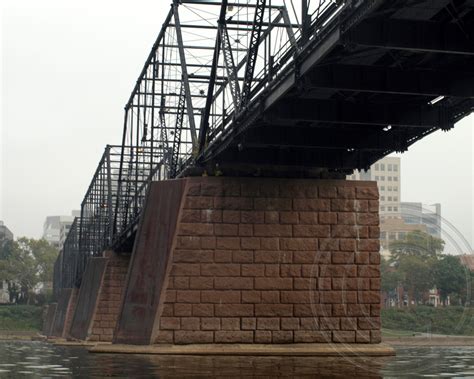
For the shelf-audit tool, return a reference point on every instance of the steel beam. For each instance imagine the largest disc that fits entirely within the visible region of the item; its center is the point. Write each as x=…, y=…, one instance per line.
x=204, y=127
x=219, y=2
x=299, y=137
x=244, y=59
x=344, y=112
x=419, y=36
x=230, y=65
x=374, y=79
x=252, y=53
x=184, y=73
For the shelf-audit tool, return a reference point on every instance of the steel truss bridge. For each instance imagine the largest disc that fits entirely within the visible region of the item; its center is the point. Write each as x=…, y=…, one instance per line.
x=277, y=87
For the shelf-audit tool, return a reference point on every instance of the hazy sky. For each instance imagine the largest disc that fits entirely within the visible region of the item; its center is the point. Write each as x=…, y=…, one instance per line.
x=68, y=68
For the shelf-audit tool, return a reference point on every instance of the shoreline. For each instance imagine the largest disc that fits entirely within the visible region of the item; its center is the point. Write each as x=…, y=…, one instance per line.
x=430, y=341
x=26, y=335
x=423, y=340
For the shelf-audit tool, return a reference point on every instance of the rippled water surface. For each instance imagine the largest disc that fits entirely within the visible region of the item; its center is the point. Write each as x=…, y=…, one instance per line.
x=42, y=360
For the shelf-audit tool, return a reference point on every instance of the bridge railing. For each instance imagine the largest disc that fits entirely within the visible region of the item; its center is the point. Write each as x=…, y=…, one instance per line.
x=130, y=201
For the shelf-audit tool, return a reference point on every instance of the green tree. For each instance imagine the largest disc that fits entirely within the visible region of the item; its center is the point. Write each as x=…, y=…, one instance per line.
x=451, y=278
x=44, y=254
x=417, y=275
x=391, y=277
x=25, y=263
x=414, y=258
x=418, y=244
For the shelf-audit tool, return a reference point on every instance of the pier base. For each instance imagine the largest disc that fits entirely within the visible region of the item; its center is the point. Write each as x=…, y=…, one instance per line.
x=64, y=310
x=49, y=319
x=255, y=261
x=99, y=298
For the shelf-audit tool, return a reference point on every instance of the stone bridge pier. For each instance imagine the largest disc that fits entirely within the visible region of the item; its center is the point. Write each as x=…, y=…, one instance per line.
x=255, y=261
x=220, y=260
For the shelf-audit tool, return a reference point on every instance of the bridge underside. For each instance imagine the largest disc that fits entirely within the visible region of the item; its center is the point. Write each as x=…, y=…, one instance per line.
x=375, y=84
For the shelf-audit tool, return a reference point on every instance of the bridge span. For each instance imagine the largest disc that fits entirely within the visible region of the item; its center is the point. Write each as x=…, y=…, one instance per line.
x=267, y=88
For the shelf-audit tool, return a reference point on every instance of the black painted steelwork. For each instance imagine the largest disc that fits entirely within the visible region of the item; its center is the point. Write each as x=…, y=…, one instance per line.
x=251, y=87
x=72, y=261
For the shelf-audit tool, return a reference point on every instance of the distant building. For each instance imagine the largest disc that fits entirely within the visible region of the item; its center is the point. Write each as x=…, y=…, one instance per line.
x=387, y=173
x=430, y=216
x=55, y=228
x=5, y=235
x=394, y=229
x=398, y=218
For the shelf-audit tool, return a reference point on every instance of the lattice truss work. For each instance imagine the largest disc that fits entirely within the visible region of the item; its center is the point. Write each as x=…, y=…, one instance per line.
x=327, y=84
x=209, y=62
x=71, y=260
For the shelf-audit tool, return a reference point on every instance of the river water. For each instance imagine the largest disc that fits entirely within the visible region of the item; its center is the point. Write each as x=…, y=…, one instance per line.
x=42, y=360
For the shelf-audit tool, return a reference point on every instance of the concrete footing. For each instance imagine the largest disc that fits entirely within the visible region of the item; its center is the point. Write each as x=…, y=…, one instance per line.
x=324, y=350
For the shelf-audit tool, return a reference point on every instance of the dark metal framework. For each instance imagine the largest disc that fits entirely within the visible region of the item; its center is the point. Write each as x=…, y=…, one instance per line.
x=72, y=261
x=251, y=85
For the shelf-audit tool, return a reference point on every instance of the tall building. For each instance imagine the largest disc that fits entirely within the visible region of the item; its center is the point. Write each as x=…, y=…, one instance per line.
x=398, y=218
x=55, y=228
x=418, y=213
x=387, y=173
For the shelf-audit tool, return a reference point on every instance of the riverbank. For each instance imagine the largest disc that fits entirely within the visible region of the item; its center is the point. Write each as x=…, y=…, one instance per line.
x=20, y=322
x=452, y=320
x=20, y=318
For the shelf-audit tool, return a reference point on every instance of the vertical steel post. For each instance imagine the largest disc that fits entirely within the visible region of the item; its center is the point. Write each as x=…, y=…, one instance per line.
x=210, y=91
x=184, y=73
x=109, y=196
x=305, y=21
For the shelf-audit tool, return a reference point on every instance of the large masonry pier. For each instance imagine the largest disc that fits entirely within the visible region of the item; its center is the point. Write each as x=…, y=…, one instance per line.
x=254, y=260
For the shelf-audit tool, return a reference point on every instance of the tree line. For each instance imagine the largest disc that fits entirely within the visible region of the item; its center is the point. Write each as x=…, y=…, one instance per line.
x=24, y=264
x=417, y=265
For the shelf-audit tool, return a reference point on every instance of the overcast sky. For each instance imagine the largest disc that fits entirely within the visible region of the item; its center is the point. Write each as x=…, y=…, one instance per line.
x=68, y=68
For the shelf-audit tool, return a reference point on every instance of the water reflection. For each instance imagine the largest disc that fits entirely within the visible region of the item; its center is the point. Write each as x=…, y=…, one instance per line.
x=40, y=360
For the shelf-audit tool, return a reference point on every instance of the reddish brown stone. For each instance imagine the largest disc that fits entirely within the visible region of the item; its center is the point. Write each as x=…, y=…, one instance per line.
x=234, y=337
x=253, y=269
x=270, y=261
x=309, y=218
x=188, y=337
x=311, y=205
x=289, y=217
x=233, y=283
x=210, y=323
x=268, y=323
x=274, y=310
x=219, y=297
x=226, y=230
x=237, y=310
x=270, y=297
x=231, y=323
x=305, y=336
x=341, y=336
x=232, y=217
